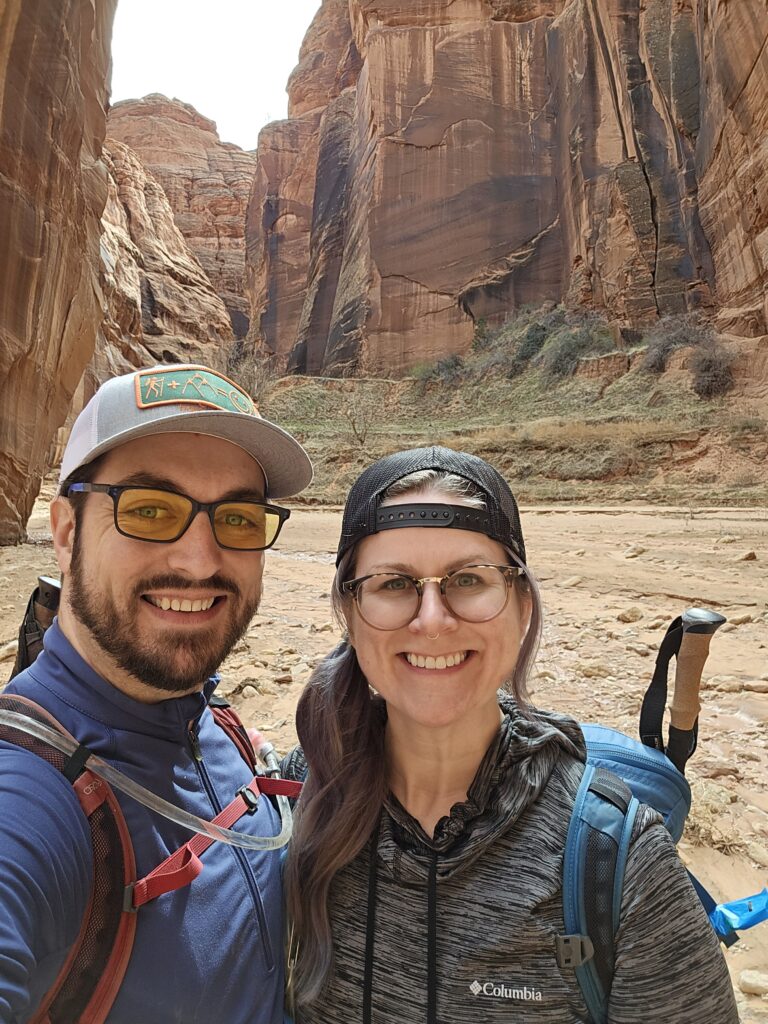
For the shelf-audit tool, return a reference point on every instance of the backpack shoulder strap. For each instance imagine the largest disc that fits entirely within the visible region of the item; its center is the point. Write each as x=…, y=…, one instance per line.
x=594, y=861
x=228, y=719
x=90, y=978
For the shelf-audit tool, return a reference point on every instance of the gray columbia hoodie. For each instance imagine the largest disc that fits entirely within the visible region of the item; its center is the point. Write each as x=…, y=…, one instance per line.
x=461, y=926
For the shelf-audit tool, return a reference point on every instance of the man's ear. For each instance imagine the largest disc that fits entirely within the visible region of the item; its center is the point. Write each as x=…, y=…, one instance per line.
x=63, y=531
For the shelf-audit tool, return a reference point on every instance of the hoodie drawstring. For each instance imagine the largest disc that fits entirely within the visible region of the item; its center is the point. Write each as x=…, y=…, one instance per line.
x=370, y=928
x=370, y=934
x=432, y=941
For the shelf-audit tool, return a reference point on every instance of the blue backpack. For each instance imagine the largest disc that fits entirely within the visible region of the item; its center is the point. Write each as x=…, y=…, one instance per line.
x=620, y=774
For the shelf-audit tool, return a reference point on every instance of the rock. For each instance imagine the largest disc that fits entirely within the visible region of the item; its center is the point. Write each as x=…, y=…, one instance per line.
x=757, y=686
x=207, y=183
x=580, y=552
x=633, y=614
x=657, y=623
x=228, y=684
x=284, y=679
x=642, y=649
x=249, y=691
x=634, y=550
x=572, y=581
x=594, y=670
x=8, y=651
x=754, y=983
x=54, y=77
x=324, y=627
x=758, y=853
x=728, y=627
x=740, y=620
x=726, y=684
x=748, y=556
x=727, y=538
x=718, y=770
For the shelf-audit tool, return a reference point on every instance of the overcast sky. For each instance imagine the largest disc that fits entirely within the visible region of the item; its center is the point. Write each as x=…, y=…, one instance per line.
x=229, y=58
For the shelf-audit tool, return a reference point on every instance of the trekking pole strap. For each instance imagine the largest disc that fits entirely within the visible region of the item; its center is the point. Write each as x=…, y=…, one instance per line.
x=655, y=699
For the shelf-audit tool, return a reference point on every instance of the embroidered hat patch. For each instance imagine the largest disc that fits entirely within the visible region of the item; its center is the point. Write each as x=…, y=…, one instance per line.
x=191, y=385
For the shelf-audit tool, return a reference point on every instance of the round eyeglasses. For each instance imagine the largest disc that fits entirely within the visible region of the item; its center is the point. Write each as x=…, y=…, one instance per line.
x=475, y=593
x=161, y=517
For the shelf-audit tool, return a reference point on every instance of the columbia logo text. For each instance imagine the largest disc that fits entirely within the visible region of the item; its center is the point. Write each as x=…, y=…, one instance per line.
x=92, y=787
x=501, y=991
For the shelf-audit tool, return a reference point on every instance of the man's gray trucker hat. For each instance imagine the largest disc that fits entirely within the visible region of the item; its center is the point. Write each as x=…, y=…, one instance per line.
x=185, y=399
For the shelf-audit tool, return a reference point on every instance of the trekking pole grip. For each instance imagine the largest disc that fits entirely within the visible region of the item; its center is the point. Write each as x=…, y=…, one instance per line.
x=699, y=626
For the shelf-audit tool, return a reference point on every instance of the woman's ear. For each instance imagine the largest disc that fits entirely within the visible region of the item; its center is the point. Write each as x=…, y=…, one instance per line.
x=63, y=531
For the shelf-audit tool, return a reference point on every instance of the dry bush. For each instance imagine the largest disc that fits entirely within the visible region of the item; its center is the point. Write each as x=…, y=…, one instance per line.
x=255, y=373
x=712, y=371
x=685, y=330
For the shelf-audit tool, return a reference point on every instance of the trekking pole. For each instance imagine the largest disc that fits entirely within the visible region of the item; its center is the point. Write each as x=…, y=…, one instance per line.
x=699, y=626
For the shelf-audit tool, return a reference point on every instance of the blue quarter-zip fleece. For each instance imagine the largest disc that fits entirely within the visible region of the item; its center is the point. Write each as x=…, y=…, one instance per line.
x=207, y=953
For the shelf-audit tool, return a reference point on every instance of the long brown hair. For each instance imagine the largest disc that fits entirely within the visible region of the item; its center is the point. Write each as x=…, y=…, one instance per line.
x=340, y=725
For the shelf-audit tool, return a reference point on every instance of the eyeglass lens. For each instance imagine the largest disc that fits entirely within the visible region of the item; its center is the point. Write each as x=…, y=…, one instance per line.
x=149, y=514
x=475, y=594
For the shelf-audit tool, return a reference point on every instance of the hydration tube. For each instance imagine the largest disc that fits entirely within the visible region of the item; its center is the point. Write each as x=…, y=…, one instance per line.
x=115, y=778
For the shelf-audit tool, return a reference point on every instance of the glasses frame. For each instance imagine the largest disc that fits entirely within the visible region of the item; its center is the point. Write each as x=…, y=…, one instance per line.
x=509, y=572
x=209, y=507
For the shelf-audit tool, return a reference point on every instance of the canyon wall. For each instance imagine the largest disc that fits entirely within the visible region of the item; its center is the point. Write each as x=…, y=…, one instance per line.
x=54, y=65
x=207, y=183
x=448, y=162
x=157, y=303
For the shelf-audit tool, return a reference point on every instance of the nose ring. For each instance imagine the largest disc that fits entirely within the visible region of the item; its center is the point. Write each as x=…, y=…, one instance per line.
x=432, y=636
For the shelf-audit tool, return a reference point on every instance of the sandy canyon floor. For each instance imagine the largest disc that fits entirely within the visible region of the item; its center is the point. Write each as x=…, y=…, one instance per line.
x=612, y=579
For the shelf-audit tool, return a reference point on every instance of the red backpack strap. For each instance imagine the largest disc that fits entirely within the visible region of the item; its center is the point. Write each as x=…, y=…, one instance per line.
x=183, y=866
x=90, y=978
x=228, y=719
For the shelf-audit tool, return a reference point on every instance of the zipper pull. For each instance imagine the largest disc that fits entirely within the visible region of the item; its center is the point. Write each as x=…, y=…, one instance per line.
x=194, y=743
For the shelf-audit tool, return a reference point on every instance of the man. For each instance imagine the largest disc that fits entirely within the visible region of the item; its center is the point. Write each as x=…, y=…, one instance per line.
x=159, y=530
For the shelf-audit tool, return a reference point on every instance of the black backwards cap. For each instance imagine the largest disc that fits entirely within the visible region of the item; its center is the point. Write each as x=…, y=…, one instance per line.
x=364, y=516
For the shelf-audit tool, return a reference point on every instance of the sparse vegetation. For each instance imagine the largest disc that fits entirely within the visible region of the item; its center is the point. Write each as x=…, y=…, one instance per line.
x=254, y=372
x=686, y=330
x=579, y=436
x=711, y=369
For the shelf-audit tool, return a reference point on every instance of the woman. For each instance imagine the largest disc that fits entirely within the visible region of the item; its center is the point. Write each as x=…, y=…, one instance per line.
x=424, y=879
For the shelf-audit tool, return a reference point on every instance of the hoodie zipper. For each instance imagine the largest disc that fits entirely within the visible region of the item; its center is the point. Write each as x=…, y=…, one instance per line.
x=238, y=853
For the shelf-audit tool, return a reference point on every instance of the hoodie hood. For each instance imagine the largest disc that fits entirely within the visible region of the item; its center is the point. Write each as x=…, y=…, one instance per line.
x=511, y=776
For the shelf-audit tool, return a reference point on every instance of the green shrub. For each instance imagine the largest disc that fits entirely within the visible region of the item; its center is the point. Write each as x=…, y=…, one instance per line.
x=561, y=356
x=482, y=337
x=448, y=370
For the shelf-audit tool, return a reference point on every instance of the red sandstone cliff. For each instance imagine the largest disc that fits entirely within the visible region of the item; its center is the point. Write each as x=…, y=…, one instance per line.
x=53, y=187
x=207, y=183
x=446, y=162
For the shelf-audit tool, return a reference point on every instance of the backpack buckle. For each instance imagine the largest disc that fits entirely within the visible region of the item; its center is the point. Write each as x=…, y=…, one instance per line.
x=250, y=799
x=573, y=950
x=128, y=907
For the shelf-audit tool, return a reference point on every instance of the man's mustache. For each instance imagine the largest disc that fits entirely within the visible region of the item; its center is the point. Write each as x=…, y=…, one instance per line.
x=179, y=583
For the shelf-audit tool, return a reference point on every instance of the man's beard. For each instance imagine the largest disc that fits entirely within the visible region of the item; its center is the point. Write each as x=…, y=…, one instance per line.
x=182, y=660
